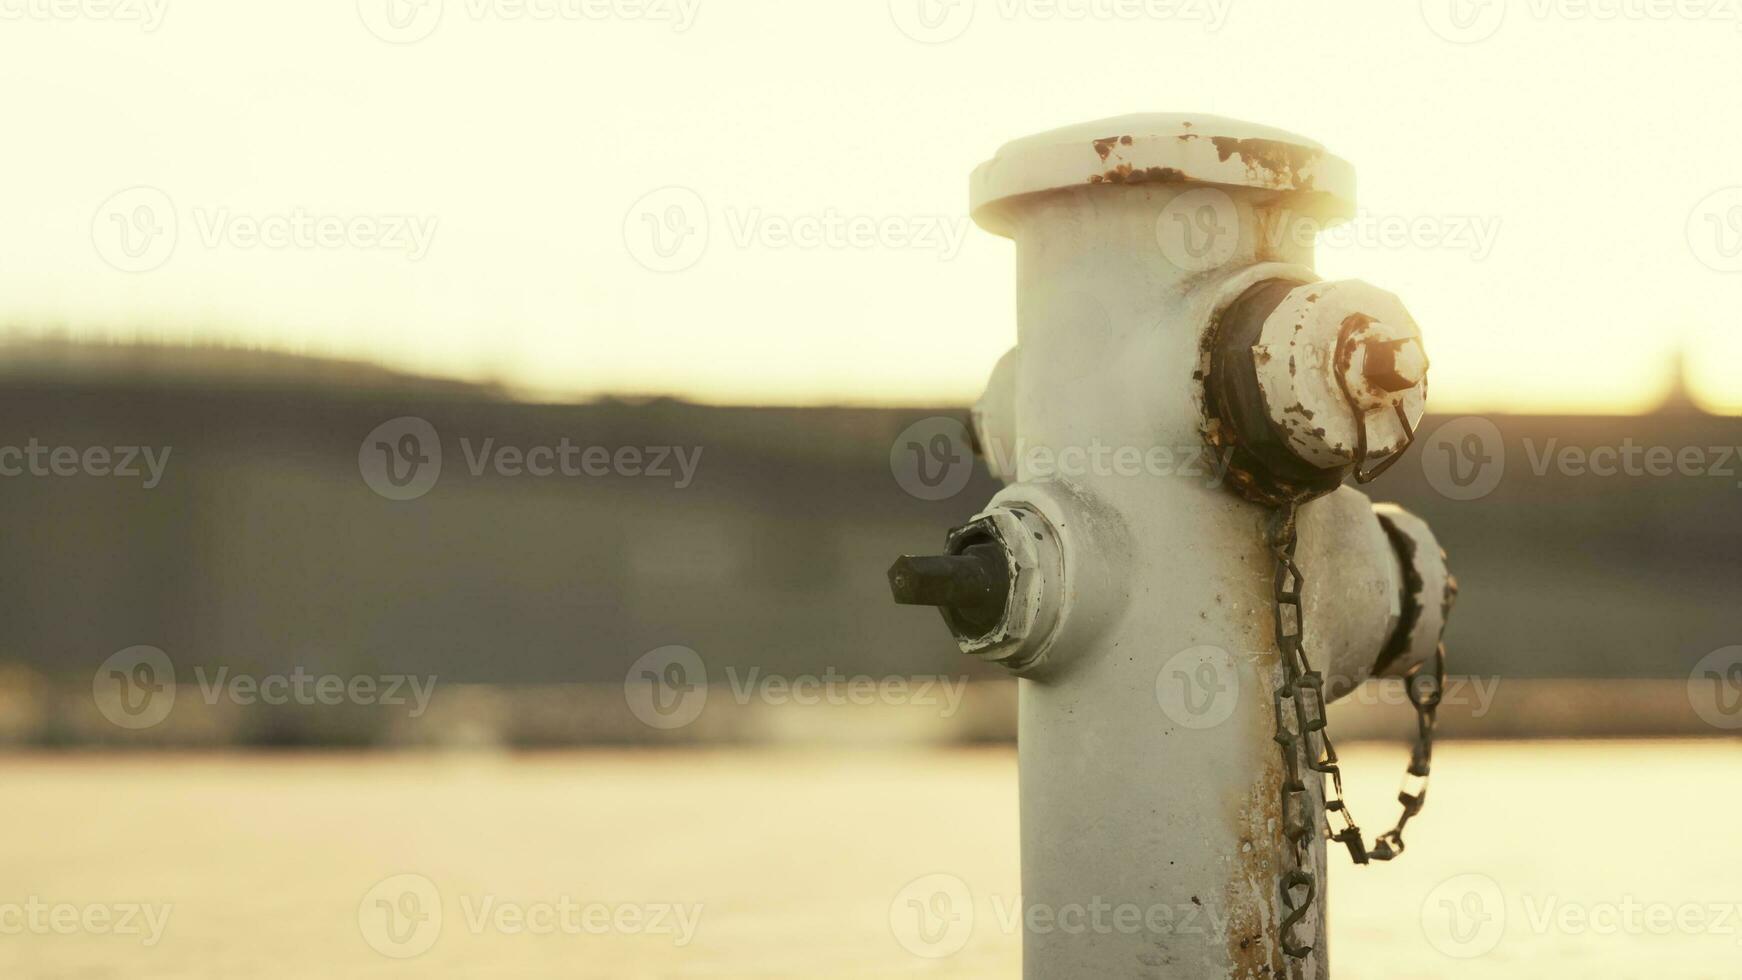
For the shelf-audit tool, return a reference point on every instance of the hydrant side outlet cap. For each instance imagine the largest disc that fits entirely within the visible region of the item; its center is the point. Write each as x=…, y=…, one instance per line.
x=1173, y=148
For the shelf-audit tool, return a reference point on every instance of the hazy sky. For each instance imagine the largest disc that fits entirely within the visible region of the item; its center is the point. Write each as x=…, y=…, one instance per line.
x=754, y=200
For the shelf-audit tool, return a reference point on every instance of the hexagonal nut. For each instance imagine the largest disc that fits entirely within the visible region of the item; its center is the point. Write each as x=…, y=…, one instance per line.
x=1389, y=366
x=1339, y=360
x=1031, y=611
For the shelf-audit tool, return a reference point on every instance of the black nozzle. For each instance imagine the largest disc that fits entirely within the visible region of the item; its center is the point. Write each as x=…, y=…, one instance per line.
x=971, y=587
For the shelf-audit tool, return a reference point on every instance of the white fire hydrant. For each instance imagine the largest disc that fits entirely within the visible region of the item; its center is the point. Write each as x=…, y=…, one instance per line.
x=1184, y=402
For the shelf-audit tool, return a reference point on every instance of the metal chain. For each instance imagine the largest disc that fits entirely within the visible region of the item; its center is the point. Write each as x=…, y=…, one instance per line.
x=1302, y=696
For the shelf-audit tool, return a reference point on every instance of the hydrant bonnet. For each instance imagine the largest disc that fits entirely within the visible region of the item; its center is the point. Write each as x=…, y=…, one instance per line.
x=1167, y=148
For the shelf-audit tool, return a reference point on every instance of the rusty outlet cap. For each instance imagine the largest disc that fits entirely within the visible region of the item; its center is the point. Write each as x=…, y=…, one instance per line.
x=1162, y=147
x=1343, y=373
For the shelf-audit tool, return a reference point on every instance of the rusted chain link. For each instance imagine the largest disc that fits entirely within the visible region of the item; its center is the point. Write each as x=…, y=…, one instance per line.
x=1306, y=744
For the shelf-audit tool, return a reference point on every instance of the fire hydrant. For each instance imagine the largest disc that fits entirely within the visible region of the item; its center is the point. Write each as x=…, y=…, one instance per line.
x=1184, y=404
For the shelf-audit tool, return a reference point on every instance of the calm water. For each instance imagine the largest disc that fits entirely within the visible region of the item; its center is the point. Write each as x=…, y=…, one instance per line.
x=1535, y=860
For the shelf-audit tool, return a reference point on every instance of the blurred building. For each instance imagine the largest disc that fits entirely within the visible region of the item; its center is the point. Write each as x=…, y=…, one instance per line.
x=263, y=548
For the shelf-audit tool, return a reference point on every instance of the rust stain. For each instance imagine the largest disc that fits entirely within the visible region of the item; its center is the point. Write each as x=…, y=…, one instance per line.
x=1254, y=949
x=1104, y=147
x=1277, y=164
x=1127, y=174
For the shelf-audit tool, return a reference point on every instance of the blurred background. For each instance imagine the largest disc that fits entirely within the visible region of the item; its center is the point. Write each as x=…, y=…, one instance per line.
x=454, y=450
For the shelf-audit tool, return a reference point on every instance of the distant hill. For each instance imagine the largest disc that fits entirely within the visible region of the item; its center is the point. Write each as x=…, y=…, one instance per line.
x=59, y=359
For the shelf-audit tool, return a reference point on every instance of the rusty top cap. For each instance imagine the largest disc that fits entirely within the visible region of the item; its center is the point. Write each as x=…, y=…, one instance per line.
x=1161, y=147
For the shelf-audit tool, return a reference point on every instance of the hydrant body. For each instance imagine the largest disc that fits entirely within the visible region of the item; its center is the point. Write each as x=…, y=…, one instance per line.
x=1141, y=605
